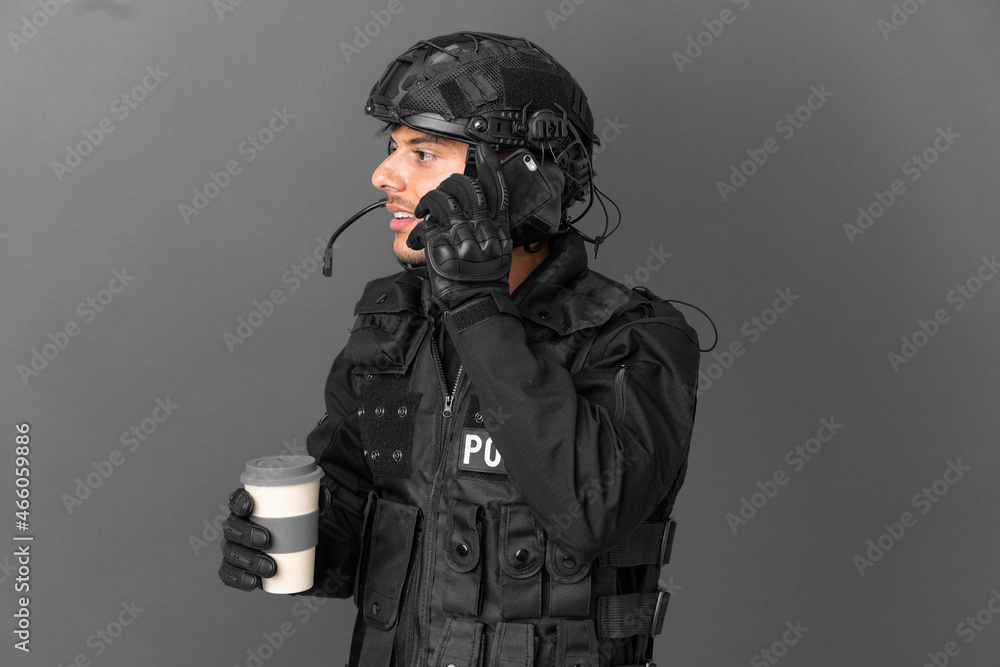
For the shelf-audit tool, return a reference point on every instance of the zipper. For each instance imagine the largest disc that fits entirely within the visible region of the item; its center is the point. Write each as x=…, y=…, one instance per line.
x=425, y=546
x=620, y=391
x=448, y=398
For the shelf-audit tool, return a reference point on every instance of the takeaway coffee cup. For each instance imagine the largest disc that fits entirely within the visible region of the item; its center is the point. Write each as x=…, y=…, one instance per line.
x=285, y=492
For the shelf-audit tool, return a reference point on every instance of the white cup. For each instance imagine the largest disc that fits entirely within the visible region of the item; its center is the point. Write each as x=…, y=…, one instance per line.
x=285, y=492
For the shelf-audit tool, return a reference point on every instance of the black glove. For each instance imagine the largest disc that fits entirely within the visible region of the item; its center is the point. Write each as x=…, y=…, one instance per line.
x=243, y=559
x=465, y=233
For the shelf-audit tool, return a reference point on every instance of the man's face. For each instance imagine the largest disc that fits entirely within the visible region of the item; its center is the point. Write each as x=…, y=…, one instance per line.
x=418, y=163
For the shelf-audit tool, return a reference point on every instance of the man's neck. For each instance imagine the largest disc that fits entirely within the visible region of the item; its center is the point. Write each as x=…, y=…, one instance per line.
x=522, y=263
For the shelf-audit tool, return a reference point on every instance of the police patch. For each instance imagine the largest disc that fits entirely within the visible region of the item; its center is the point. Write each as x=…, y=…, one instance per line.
x=477, y=452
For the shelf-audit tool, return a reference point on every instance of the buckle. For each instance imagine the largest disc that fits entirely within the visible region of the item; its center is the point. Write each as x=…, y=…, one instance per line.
x=661, y=606
x=667, y=542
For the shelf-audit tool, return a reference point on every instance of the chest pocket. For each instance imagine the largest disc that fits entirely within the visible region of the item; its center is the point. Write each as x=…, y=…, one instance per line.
x=384, y=341
x=388, y=329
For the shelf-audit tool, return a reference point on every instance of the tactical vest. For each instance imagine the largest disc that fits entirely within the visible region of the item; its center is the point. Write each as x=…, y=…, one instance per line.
x=455, y=569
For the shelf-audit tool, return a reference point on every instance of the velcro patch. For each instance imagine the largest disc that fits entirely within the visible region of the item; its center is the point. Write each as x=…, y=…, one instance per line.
x=477, y=452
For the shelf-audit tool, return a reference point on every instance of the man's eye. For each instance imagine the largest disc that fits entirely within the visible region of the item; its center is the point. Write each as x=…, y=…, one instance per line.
x=422, y=156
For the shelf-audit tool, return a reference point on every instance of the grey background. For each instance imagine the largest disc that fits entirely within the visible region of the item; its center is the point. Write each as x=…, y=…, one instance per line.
x=162, y=336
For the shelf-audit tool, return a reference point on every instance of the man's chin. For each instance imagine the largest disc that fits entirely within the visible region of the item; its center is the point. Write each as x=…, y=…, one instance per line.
x=414, y=257
x=421, y=261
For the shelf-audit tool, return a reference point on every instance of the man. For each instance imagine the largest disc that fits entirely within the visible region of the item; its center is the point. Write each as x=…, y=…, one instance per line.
x=506, y=430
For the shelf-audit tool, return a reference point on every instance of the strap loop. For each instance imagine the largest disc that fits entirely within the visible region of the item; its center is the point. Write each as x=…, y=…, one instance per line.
x=620, y=616
x=649, y=544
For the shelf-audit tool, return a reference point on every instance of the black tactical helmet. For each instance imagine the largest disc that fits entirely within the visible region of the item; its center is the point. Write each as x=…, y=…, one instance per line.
x=478, y=86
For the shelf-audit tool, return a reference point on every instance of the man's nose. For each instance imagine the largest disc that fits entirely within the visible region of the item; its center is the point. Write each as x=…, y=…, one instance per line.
x=387, y=177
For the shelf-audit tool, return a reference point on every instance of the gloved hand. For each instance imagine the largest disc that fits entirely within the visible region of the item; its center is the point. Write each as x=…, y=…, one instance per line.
x=244, y=562
x=465, y=233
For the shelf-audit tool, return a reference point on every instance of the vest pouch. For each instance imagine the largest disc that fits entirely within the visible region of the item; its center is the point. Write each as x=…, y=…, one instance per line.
x=460, y=645
x=366, y=534
x=462, y=548
x=514, y=645
x=576, y=644
x=569, y=583
x=387, y=331
x=522, y=551
x=390, y=554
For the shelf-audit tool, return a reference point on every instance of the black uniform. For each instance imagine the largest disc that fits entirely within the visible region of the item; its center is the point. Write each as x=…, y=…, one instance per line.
x=507, y=504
